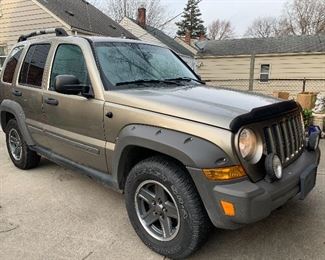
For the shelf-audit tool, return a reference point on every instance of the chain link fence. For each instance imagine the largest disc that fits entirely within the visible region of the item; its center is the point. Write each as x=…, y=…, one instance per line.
x=293, y=86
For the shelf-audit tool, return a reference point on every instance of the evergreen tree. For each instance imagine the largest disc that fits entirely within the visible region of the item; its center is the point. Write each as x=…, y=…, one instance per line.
x=191, y=21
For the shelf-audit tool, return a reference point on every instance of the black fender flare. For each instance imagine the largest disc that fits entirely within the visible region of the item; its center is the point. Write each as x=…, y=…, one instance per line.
x=190, y=150
x=16, y=109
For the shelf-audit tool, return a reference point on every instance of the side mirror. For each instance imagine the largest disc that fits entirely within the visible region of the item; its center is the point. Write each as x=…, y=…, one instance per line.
x=70, y=85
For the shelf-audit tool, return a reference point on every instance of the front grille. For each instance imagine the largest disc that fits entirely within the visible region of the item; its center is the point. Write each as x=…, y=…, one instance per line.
x=285, y=138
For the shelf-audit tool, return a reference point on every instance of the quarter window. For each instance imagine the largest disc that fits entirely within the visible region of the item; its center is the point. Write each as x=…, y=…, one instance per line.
x=10, y=68
x=69, y=60
x=33, y=66
x=265, y=73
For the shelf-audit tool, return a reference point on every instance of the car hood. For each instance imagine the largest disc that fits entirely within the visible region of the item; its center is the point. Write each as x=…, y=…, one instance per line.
x=209, y=105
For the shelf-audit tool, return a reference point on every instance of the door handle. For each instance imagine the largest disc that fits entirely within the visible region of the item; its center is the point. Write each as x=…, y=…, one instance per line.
x=51, y=101
x=17, y=93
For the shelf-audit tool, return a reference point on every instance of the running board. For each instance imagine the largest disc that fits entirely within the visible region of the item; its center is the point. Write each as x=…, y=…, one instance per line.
x=99, y=176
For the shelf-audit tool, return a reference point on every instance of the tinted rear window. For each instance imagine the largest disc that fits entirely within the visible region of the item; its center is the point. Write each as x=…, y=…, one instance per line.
x=9, y=71
x=33, y=66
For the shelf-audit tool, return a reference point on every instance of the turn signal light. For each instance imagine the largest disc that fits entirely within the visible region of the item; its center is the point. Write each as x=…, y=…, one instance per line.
x=228, y=208
x=224, y=174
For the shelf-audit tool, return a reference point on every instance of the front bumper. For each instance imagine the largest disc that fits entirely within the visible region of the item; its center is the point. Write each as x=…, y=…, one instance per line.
x=254, y=201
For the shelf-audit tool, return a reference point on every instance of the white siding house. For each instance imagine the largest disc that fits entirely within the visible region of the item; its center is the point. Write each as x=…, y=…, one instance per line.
x=19, y=17
x=265, y=65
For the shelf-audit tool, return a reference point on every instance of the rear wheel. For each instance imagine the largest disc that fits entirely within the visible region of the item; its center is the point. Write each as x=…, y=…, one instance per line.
x=165, y=209
x=18, y=150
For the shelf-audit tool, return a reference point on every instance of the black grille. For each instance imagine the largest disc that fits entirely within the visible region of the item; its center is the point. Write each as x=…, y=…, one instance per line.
x=285, y=138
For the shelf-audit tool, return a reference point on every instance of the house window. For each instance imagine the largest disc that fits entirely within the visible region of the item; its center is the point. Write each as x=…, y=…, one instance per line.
x=2, y=56
x=265, y=73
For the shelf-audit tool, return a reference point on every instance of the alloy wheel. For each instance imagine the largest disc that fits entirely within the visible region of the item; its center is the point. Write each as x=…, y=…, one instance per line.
x=157, y=210
x=15, y=144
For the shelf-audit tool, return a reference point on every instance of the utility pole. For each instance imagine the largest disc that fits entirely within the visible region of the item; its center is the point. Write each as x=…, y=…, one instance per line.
x=124, y=2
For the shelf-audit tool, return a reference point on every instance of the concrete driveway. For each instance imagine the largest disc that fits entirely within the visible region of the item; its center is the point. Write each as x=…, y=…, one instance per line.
x=54, y=213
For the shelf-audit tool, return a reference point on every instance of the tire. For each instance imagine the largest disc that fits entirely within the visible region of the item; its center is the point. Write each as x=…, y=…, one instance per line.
x=23, y=158
x=144, y=184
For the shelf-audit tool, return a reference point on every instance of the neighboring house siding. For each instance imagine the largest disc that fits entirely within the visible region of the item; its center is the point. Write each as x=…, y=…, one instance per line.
x=230, y=68
x=139, y=32
x=287, y=72
x=21, y=17
x=293, y=67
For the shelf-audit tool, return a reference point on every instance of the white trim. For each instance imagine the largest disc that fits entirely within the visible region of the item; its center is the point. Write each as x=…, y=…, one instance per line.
x=53, y=15
x=76, y=30
x=268, y=73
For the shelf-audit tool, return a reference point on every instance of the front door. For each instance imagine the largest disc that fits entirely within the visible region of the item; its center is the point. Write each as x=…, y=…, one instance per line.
x=74, y=124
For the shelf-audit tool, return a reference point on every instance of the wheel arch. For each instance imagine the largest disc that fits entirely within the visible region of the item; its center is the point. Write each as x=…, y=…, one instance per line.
x=132, y=155
x=138, y=142
x=12, y=110
x=5, y=118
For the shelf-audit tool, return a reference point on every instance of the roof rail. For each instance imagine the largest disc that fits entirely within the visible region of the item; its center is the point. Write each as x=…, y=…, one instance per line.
x=57, y=31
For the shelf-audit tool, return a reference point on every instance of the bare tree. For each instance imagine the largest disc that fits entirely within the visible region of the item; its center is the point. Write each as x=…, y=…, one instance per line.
x=264, y=28
x=157, y=13
x=221, y=30
x=304, y=17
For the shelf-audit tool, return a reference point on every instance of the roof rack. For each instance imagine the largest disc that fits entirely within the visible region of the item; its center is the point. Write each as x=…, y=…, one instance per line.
x=57, y=31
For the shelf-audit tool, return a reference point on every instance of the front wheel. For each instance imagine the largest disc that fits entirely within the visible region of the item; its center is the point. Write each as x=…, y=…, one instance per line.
x=165, y=209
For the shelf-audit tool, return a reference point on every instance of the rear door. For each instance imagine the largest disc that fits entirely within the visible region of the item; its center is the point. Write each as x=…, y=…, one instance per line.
x=9, y=72
x=28, y=89
x=74, y=124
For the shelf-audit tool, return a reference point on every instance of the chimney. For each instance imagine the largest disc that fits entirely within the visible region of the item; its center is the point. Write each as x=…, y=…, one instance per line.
x=188, y=37
x=142, y=16
x=202, y=37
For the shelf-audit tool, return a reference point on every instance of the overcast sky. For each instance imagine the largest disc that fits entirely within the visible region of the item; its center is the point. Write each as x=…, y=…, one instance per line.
x=240, y=12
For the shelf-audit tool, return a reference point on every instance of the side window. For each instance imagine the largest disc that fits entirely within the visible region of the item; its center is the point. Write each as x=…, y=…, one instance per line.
x=33, y=66
x=265, y=73
x=69, y=60
x=10, y=68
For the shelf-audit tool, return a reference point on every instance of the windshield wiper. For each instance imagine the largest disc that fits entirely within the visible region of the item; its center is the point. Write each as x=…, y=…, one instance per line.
x=144, y=81
x=185, y=79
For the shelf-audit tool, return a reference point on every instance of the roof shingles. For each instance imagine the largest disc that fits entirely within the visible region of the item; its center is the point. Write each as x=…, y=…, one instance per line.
x=165, y=39
x=288, y=44
x=168, y=41
x=79, y=14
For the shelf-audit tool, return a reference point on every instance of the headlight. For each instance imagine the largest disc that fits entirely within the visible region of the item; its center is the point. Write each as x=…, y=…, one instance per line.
x=250, y=147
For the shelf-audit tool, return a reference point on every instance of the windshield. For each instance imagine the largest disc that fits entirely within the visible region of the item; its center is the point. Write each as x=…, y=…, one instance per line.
x=135, y=63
